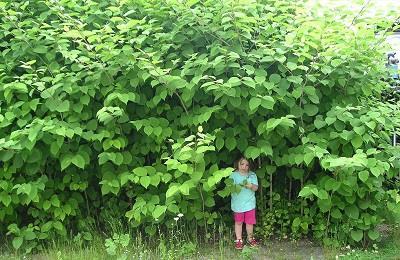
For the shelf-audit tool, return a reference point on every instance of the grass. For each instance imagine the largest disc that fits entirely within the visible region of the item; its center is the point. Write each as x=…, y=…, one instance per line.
x=389, y=249
x=180, y=243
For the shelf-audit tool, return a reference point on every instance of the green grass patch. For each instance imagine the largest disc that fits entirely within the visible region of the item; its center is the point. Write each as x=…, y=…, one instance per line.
x=131, y=245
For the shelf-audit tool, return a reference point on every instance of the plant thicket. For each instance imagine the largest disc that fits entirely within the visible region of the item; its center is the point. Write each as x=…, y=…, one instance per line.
x=138, y=108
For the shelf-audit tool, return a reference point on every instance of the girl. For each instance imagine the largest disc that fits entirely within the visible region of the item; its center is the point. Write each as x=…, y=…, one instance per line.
x=243, y=203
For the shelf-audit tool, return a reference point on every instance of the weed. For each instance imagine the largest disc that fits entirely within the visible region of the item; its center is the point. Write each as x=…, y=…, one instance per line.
x=248, y=252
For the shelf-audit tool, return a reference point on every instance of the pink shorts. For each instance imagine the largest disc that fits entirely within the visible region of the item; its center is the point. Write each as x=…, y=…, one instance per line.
x=248, y=217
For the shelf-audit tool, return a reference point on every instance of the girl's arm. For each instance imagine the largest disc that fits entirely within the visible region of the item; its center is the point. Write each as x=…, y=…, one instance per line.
x=252, y=186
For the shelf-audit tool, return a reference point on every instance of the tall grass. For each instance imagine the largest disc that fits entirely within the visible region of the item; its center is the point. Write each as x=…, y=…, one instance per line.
x=182, y=240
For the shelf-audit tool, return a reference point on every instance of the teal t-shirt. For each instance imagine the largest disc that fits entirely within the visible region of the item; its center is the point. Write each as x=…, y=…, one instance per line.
x=244, y=200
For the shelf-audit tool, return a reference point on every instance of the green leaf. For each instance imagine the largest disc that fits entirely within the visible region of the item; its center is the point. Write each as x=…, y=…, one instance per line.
x=357, y=141
x=79, y=161
x=63, y=106
x=58, y=225
x=171, y=191
x=155, y=180
x=308, y=157
x=356, y=235
x=173, y=208
x=140, y=171
x=363, y=175
x=332, y=184
x=103, y=158
x=55, y=201
x=166, y=177
x=291, y=65
x=373, y=234
x=184, y=188
x=295, y=79
x=267, y=102
x=352, y=211
x=157, y=130
x=54, y=148
x=335, y=213
x=322, y=194
x=360, y=130
x=254, y=103
x=371, y=125
x=34, y=132
x=40, y=49
x=66, y=160
x=17, y=242
x=249, y=69
x=297, y=173
x=72, y=34
x=174, y=82
x=324, y=205
x=310, y=109
x=145, y=181
x=230, y=143
x=330, y=120
x=158, y=211
x=275, y=78
x=46, y=226
x=319, y=122
x=249, y=82
x=29, y=235
x=252, y=152
x=265, y=147
x=234, y=81
x=305, y=192
x=24, y=188
x=148, y=130
x=5, y=198
x=219, y=143
x=46, y=205
x=260, y=79
x=296, y=222
x=336, y=62
x=376, y=171
x=364, y=204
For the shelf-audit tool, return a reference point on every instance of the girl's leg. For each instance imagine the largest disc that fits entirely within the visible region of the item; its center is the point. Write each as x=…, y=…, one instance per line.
x=249, y=230
x=238, y=230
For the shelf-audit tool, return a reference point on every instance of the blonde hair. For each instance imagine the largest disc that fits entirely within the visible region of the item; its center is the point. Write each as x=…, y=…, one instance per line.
x=237, y=162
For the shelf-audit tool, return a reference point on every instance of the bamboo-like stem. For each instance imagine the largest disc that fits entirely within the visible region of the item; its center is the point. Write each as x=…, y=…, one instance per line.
x=270, y=191
x=301, y=203
x=261, y=190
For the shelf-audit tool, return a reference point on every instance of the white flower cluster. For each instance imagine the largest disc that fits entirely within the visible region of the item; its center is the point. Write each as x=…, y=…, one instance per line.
x=178, y=216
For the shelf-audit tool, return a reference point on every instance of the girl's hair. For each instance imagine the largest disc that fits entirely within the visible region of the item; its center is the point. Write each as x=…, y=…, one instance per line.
x=237, y=162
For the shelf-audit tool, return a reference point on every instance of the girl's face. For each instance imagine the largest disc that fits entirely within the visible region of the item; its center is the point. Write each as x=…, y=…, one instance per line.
x=243, y=165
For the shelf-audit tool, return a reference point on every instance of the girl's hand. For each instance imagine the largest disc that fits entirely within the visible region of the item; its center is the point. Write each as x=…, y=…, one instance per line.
x=249, y=185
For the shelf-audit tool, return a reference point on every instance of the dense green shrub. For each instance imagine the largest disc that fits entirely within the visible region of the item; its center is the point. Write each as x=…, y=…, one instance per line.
x=136, y=109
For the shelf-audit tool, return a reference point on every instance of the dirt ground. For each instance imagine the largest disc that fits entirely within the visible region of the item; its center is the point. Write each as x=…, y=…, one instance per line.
x=290, y=250
x=274, y=250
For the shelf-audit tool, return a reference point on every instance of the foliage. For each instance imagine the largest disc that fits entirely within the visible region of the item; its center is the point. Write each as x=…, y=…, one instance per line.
x=117, y=243
x=248, y=252
x=136, y=108
x=277, y=223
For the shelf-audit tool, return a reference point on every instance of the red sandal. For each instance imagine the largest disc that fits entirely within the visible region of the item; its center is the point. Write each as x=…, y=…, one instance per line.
x=252, y=242
x=239, y=244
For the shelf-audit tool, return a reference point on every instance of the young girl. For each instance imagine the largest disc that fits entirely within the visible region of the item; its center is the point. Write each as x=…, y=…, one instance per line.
x=243, y=203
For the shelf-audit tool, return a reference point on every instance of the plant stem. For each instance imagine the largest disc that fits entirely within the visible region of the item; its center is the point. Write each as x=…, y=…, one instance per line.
x=301, y=201
x=261, y=190
x=270, y=191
